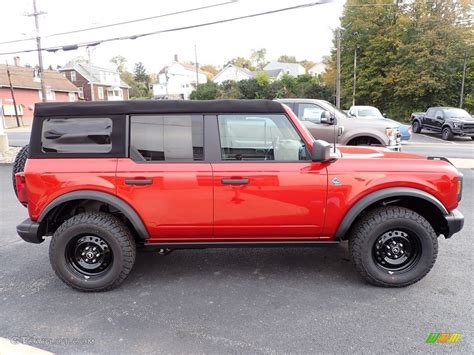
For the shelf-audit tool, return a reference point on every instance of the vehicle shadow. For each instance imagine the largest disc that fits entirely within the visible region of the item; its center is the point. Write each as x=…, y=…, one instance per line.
x=246, y=264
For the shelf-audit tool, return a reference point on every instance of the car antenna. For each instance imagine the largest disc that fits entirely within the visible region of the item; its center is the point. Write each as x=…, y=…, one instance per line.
x=335, y=130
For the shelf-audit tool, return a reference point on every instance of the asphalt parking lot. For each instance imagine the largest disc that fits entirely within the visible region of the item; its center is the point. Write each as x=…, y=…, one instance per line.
x=253, y=301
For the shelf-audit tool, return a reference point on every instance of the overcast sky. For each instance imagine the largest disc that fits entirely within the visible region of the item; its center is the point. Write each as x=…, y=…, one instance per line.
x=304, y=33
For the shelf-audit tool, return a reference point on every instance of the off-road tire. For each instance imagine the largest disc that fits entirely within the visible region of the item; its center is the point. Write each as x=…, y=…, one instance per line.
x=377, y=222
x=105, y=226
x=19, y=164
x=416, y=127
x=447, y=134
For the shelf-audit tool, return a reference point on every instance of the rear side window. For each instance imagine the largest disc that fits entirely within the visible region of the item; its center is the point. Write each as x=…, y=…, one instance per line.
x=167, y=138
x=76, y=135
x=430, y=113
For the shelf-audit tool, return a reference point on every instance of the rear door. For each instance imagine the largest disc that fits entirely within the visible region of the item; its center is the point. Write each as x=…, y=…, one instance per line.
x=265, y=187
x=167, y=179
x=438, y=120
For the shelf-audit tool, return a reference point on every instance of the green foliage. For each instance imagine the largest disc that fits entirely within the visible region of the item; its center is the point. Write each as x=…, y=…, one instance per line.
x=409, y=55
x=257, y=58
x=260, y=87
x=287, y=59
x=207, y=91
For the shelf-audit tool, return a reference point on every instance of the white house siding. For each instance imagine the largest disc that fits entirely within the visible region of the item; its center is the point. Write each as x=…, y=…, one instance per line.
x=233, y=73
x=177, y=81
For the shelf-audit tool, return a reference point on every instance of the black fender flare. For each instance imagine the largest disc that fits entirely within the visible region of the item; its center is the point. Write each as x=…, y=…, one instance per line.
x=107, y=198
x=391, y=192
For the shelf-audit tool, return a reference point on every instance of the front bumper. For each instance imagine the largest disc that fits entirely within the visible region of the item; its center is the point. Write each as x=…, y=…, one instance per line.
x=454, y=222
x=29, y=231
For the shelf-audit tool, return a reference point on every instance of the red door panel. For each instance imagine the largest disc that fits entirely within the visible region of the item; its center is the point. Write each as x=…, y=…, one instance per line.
x=265, y=200
x=174, y=200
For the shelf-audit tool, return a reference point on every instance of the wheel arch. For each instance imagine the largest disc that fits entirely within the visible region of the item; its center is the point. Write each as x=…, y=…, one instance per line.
x=359, y=135
x=93, y=196
x=417, y=200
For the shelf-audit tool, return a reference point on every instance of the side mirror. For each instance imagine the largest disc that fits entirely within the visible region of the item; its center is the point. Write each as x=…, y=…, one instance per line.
x=439, y=117
x=321, y=151
x=328, y=118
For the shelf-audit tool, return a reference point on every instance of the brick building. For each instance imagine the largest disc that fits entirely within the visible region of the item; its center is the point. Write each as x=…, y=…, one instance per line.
x=96, y=83
x=27, y=90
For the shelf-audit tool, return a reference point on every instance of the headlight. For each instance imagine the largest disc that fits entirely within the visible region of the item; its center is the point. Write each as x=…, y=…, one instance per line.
x=457, y=125
x=392, y=133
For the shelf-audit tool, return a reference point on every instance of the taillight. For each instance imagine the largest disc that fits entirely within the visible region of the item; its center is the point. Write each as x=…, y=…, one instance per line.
x=20, y=183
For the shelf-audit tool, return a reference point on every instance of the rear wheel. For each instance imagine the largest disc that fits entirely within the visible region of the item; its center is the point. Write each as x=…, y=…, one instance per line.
x=393, y=247
x=447, y=134
x=416, y=127
x=19, y=164
x=92, y=252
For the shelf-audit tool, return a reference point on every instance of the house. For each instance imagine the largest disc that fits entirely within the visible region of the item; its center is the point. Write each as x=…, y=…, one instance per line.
x=275, y=74
x=317, y=69
x=96, y=83
x=233, y=73
x=293, y=69
x=177, y=81
x=27, y=90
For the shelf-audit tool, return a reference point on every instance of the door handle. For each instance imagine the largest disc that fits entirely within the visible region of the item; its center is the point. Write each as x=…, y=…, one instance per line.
x=138, y=181
x=235, y=181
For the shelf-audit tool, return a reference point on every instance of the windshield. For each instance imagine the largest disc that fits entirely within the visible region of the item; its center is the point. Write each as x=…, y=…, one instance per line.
x=369, y=112
x=457, y=113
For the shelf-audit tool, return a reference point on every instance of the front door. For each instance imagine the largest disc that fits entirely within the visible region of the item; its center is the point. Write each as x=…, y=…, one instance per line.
x=166, y=179
x=265, y=187
x=310, y=115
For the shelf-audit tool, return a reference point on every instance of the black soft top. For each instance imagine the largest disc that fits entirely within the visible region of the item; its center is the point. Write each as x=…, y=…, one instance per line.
x=156, y=106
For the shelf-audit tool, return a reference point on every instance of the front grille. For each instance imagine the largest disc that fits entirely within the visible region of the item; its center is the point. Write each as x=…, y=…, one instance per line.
x=468, y=128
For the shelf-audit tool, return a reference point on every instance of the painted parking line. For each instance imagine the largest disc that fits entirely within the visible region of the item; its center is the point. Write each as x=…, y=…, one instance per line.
x=11, y=346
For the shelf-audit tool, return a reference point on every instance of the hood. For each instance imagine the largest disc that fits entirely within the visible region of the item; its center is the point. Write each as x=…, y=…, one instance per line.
x=354, y=152
x=372, y=122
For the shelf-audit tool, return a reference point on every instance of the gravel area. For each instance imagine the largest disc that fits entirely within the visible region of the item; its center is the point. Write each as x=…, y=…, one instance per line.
x=9, y=156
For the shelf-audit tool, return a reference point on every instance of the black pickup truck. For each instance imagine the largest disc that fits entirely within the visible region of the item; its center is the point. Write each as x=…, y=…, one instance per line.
x=449, y=121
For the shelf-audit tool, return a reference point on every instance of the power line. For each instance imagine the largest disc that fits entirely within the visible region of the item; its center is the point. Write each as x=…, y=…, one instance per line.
x=122, y=23
x=205, y=24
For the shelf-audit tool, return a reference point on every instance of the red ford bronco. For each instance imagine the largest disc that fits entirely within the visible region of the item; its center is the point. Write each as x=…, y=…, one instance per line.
x=105, y=178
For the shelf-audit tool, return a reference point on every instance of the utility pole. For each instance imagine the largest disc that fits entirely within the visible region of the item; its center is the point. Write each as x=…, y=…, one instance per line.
x=461, y=99
x=13, y=95
x=196, y=64
x=355, y=77
x=338, y=68
x=36, y=14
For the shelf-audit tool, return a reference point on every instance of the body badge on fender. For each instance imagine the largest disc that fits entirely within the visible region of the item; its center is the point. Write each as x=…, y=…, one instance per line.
x=335, y=181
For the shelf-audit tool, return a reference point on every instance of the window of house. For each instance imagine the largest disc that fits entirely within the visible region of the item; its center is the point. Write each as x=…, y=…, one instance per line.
x=73, y=76
x=81, y=92
x=100, y=91
x=259, y=137
x=72, y=96
x=76, y=135
x=167, y=137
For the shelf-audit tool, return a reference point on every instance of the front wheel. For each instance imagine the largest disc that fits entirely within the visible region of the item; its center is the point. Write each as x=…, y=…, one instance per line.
x=416, y=127
x=92, y=252
x=393, y=246
x=447, y=134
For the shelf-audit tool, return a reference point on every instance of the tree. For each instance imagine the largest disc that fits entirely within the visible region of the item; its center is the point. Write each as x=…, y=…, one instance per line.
x=210, y=70
x=257, y=58
x=242, y=63
x=119, y=61
x=287, y=59
x=207, y=91
x=142, y=80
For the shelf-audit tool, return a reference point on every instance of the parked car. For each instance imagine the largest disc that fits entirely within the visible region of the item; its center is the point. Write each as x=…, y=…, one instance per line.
x=374, y=113
x=449, y=121
x=343, y=129
x=102, y=179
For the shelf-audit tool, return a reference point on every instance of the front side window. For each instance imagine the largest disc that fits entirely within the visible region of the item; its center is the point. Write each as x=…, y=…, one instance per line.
x=259, y=137
x=310, y=112
x=76, y=135
x=167, y=137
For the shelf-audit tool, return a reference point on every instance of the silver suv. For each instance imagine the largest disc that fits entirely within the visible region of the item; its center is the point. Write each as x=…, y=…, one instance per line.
x=328, y=123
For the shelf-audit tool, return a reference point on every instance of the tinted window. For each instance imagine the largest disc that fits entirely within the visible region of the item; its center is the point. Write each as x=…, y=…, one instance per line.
x=439, y=113
x=310, y=112
x=431, y=113
x=258, y=137
x=76, y=135
x=172, y=138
